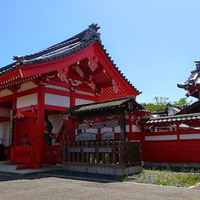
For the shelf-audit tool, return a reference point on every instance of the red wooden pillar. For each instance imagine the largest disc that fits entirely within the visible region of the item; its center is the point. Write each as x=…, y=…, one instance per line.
x=72, y=98
x=178, y=146
x=73, y=103
x=14, y=107
x=142, y=143
x=40, y=126
x=130, y=127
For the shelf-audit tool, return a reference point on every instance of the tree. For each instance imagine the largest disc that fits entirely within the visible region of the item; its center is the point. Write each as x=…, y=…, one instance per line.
x=161, y=102
x=182, y=101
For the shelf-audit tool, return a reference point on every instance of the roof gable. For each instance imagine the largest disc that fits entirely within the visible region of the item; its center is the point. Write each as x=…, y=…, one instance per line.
x=192, y=82
x=67, y=53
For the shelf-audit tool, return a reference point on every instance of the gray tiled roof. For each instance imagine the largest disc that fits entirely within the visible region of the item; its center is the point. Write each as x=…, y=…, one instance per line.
x=63, y=49
x=172, y=118
x=193, y=108
x=111, y=104
x=193, y=80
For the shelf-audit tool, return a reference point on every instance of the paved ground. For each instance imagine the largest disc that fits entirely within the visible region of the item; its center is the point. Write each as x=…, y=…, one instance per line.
x=8, y=167
x=24, y=185
x=38, y=186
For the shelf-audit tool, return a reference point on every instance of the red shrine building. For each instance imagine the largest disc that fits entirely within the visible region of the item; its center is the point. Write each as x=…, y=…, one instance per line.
x=36, y=88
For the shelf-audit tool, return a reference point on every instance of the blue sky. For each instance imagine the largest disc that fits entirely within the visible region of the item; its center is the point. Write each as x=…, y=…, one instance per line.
x=153, y=42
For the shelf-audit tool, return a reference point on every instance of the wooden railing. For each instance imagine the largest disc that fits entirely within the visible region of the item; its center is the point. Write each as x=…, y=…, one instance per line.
x=103, y=153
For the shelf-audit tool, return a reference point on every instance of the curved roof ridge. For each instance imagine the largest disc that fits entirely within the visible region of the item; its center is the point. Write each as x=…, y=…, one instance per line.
x=84, y=38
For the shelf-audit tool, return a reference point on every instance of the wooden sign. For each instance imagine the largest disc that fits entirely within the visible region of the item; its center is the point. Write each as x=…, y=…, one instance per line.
x=108, y=136
x=83, y=126
x=97, y=125
x=86, y=137
x=105, y=150
x=75, y=150
x=89, y=150
x=112, y=123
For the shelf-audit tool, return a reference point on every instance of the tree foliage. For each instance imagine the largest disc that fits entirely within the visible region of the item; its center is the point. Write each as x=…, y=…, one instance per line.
x=182, y=101
x=161, y=102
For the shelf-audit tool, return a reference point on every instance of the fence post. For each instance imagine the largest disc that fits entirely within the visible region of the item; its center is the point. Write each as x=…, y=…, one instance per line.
x=69, y=153
x=97, y=152
x=120, y=152
x=114, y=152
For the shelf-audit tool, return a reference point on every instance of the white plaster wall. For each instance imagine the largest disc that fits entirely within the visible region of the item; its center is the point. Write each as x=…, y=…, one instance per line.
x=135, y=129
x=4, y=132
x=117, y=129
x=189, y=136
x=57, y=100
x=5, y=92
x=4, y=112
x=27, y=100
x=86, y=93
x=160, y=137
x=57, y=87
x=82, y=101
x=127, y=128
x=27, y=86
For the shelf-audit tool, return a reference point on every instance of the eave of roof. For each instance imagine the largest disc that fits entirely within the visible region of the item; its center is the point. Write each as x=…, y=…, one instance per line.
x=194, y=108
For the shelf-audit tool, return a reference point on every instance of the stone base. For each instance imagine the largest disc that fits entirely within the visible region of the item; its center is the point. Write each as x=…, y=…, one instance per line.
x=116, y=171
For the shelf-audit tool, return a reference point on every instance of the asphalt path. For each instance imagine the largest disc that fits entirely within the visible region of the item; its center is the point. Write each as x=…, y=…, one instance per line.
x=39, y=187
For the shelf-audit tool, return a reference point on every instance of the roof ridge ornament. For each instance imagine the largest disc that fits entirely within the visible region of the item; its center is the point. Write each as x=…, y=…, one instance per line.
x=19, y=59
x=92, y=32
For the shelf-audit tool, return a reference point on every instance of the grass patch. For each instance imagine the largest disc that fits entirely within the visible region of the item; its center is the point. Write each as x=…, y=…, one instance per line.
x=124, y=179
x=168, y=177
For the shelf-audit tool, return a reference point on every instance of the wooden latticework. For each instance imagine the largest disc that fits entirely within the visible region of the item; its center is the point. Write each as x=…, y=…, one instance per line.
x=112, y=153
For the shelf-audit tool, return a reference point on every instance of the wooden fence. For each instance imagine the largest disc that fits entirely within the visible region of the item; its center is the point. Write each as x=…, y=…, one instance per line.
x=108, y=153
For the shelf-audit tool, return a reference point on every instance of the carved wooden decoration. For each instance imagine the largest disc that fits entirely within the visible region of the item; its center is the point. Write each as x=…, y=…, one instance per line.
x=93, y=62
x=62, y=74
x=115, y=86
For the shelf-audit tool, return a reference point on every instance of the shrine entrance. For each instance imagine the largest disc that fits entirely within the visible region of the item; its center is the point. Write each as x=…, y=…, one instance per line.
x=101, y=144
x=26, y=147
